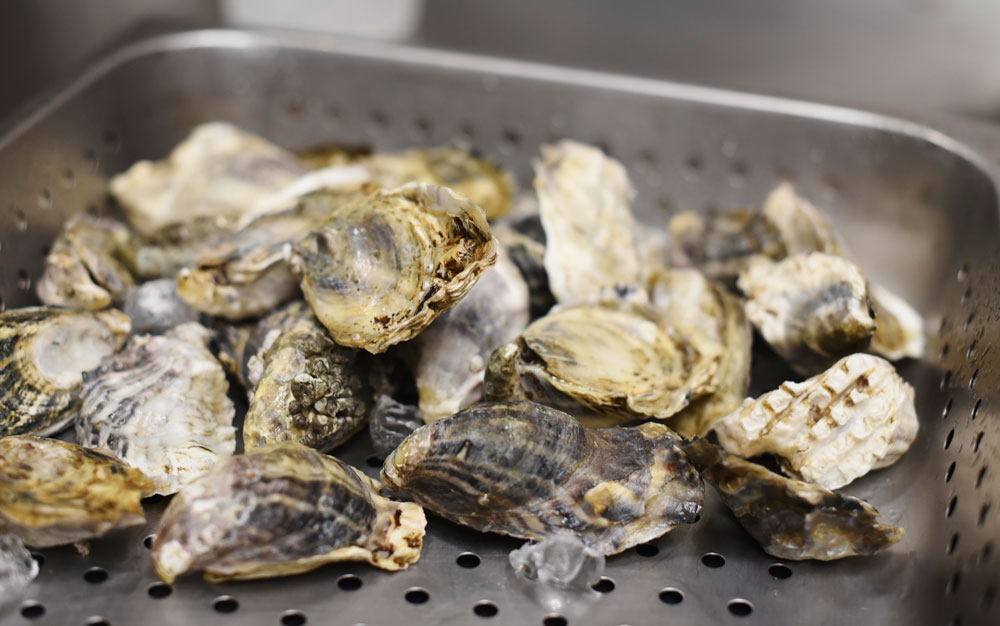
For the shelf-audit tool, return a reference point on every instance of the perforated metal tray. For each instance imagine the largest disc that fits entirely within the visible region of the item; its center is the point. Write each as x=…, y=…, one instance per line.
x=918, y=207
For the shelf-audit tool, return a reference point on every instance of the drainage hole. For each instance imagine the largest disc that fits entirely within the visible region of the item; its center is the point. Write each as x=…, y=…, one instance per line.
x=951, y=506
x=740, y=608
x=713, y=559
x=148, y=541
x=32, y=610
x=97, y=621
x=373, y=461
x=349, y=582
x=953, y=543
x=646, y=549
x=780, y=571
x=604, y=585
x=468, y=560
x=949, y=473
x=417, y=596
x=485, y=609
x=293, y=618
x=95, y=575
x=225, y=604
x=671, y=596
x=554, y=620
x=159, y=590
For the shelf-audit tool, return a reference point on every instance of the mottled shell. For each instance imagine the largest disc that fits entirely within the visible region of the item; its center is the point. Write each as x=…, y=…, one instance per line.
x=304, y=387
x=900, y=329
x=812, y=308
x=383, y=267
x=526, y=470
x=529, y=257
x=802, y=227
x=279, y=510
x=791, y=519
x=176, y=246
x=721, y=244
x=832, y=428
x=154, y=307
x=54, y=493
x=160, y=405
x=87, y=265
x=43, y=354
x=454, y=349
x=591, y=242
x=217, y=171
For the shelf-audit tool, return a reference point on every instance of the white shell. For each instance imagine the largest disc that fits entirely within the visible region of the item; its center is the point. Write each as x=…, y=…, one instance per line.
x=160, y=405
x=900, y=329
x=832, y=428
x=803, y=228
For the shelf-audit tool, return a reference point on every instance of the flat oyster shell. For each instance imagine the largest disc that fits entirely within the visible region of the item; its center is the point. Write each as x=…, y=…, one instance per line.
x=54, y=493
x=812, y=308
x=43, y=354
x=454, y=349
x=304, y=387
x=832, y=428
x=791, y=519
x=722, y=244
x=218, y=171
x=383, y=267
x=592, y=249
x=603, y=363
x=526, y=470
x=87, y=265
x=160, y=405
x=279, y=510
x=900, y=329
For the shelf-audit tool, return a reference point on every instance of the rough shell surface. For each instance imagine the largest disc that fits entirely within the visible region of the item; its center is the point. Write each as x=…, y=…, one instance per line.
x=154, y=307
x=791, y=519
x=526, y=470
x=160, y=405
x=176, y=246
x=802, y=227
x=900, y=329
x=54, y=493
x=832, y=428
x=283, y=509
x=722, y=244
x=383, y=267
x=303, y=386
x=218, y=171
x=43, y=354
x=591, y=242
x=392, y=421
x=454, y=349
x=811, y=308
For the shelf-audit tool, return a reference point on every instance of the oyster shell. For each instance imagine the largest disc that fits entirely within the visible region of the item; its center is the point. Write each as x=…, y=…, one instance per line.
x=603, y=363
x=900, y=329
x=283, y=509
x=217, y=171
x=722, y=244
x=54, y=493
x=304, y=387
x=160, y=405
x=832, y=428
x=526, y=470
x=176, y=246
x=453, y=350
x=529, y=257
x=384, y=266
x=791, y=519
x=154, y=307
x=812, y=308
x=592, y=248
x=802, y=227
x=87, y=265
x=43, y=354
x=392, y=421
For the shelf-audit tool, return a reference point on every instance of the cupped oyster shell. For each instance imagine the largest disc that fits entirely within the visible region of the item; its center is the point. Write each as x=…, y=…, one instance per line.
x=526, y=470
x=54, y=493
x=832, y=428
x=383, y=267
x=279, y=510
x=792, y=519
x=722, y=244
x=899, y=331
x=44, y=352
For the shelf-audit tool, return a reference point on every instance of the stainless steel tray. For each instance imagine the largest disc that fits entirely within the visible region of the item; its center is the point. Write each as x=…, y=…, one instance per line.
x=918, y=207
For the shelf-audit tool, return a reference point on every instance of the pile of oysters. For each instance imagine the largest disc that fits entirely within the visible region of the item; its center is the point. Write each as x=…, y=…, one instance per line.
x=530, y=364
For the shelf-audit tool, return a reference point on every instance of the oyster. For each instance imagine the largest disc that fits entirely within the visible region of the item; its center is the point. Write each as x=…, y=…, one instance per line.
x=812, y=308
x=591, y=242
x=217, y=171
x=304, y=387
x=604, y=363
x=526, y=470
x=283, y=509
x=87, y=266
x=160, y=405
x=832, y=428
x=453, y=350
x=43, y=354
x=176, y=246
x=529, y=257
x=384, y=266
x=900, y=329
x=392, y=421
x=791, y=519
x=722, y=244
x=54, y=493
x=802, y=227
x=154, y=307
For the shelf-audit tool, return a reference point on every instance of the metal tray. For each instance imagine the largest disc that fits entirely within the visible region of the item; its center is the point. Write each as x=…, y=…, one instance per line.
x=918, y=207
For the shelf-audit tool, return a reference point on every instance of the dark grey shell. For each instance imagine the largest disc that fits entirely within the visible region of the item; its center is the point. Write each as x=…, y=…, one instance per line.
x=392, y=421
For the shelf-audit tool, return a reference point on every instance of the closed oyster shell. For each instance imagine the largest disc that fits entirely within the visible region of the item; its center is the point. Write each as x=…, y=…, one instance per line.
x=592, y=250
x=383, y=267
x=54, y=493
x=454, y=349
x=791, y=519
x=811, y=308
x=279, y=510
x=526, y=470
x=87, y=265
x=43, y=354
x=303, y=387
x=900, y=329
x=722, y=244
x=832, y=428
x=217, y=171
x=160, y=405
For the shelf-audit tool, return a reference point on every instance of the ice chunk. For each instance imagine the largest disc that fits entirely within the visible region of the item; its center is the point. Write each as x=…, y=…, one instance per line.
x=155, y=307
x=17, y=568
x=560, y=570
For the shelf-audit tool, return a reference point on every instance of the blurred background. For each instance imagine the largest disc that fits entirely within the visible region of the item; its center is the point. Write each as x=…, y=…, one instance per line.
x=889, y=55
